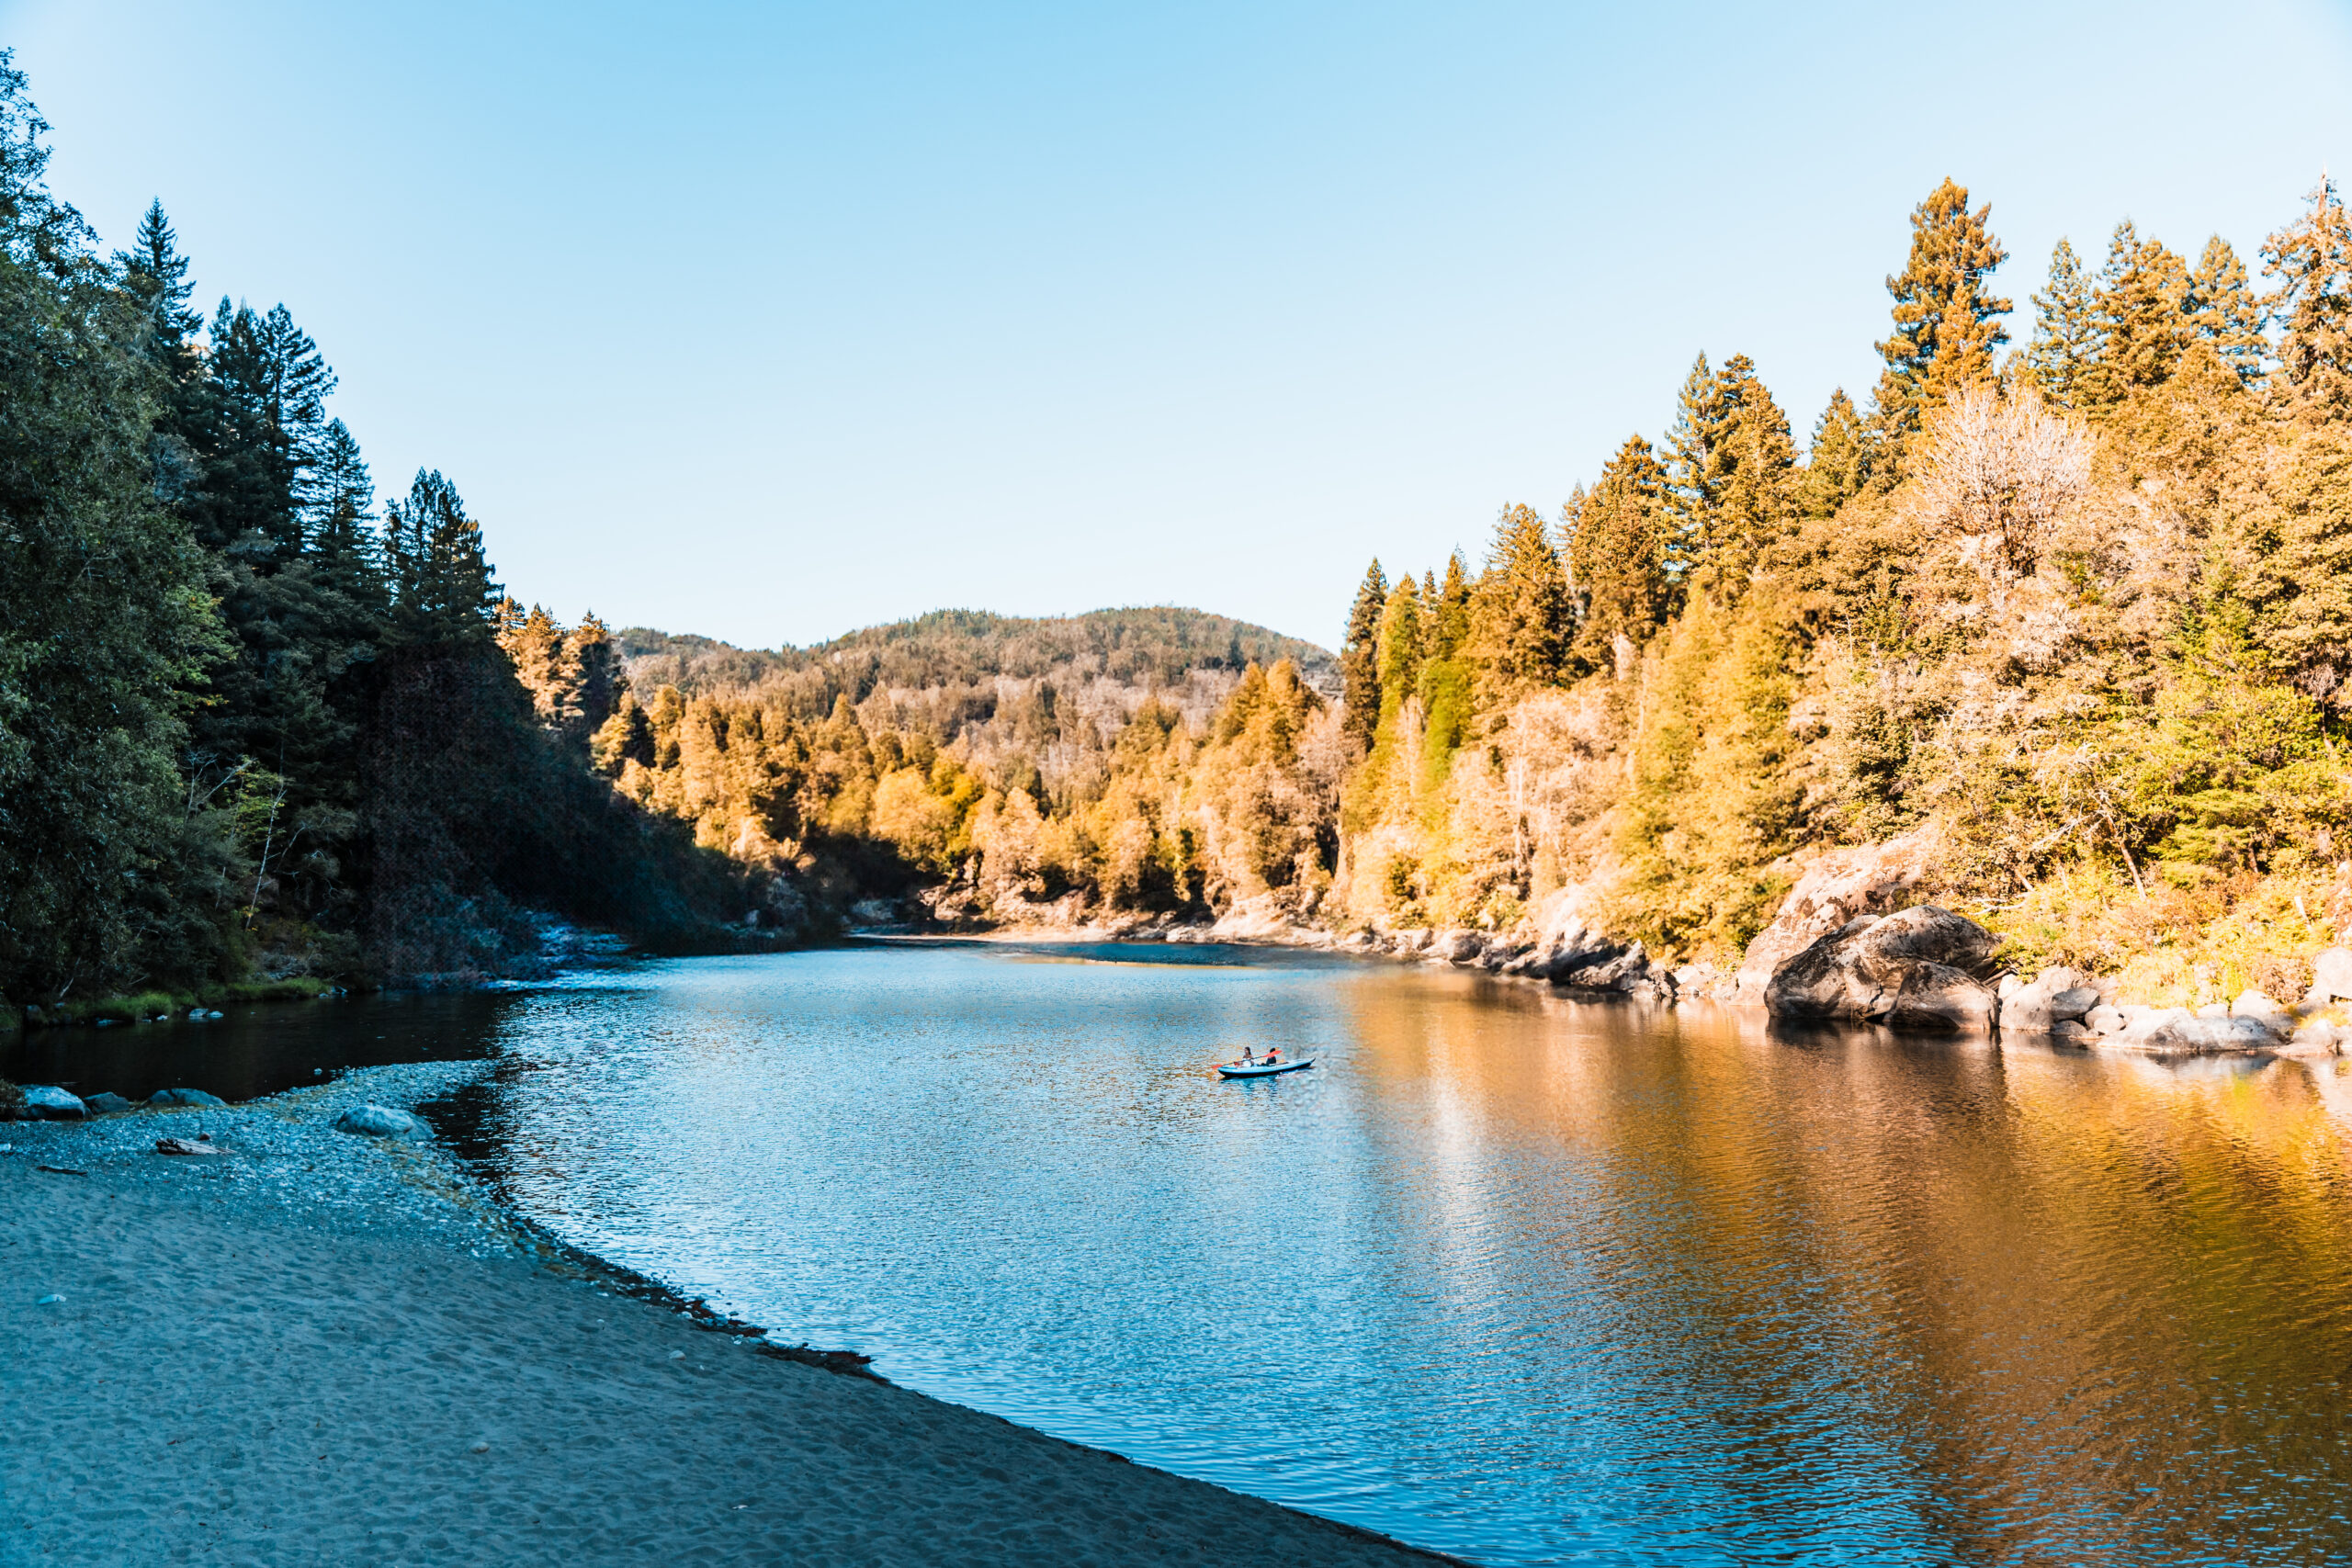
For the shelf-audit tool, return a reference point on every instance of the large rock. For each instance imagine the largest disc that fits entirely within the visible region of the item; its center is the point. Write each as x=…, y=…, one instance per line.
x=1609, y=974
x=45, y=1102
x=2058, y=995
x=1839, y=888
x=1919, y=968
x=2179, y=1029
x=1458, y=945
x=2331, y=975
x=378, y=1122
x=105, y=1102
x=184, y=1097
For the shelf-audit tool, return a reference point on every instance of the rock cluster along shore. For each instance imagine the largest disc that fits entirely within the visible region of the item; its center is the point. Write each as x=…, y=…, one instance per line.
x=1851, y=942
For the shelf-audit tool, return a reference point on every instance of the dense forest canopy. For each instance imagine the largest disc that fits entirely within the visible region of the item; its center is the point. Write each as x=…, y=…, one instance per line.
x=2066, y=600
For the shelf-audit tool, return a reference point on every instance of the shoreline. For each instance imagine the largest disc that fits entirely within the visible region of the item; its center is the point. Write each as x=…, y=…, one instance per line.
x=321, y=1346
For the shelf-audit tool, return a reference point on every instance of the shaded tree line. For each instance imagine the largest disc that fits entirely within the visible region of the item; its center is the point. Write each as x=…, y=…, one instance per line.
x=251, y=723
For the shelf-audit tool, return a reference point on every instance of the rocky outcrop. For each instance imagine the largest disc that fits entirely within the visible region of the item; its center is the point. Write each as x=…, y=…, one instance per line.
x=1835, y=890
x=378, y=1122
x=184, y=1097
x=1919, y=968
x=45, y=1102
x=2053, y=1003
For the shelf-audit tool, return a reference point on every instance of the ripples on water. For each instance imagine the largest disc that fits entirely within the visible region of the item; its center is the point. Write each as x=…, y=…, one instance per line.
x=1519, y=1278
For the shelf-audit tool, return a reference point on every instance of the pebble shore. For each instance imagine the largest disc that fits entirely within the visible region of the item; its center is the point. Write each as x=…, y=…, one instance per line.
x=317, y=1348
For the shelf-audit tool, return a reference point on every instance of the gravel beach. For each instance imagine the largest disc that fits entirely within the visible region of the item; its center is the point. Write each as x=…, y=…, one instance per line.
x=319, y=1348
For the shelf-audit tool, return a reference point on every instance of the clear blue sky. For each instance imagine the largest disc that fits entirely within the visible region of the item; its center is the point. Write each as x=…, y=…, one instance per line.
x=769, y=321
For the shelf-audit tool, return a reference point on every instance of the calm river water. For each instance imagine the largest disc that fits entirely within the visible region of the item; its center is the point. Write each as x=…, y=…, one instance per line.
x=1514, y=1277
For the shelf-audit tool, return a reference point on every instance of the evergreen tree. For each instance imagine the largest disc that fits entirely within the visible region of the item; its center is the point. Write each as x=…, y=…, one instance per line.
x=1837, y=465
x=155, y=273
x=1360, y=657
x=442, y=588
x=1947, y=321
x=1402, y=644
x=1617, y=558
x=1521, y=616
x=602, y=681
x=105, y=877
x=2224, y=310
x=1448, y=610
x=2065, y=331
x=1731, y=470
x=2141, y=317
x=2312, y=259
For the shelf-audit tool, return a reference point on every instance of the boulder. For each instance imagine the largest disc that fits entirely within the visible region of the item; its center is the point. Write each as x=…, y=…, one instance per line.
x=1919, y=969
x=1632, y=963
x=2331, y=975
x=105, y=1102
x=2178, y=1029
x=1458, y=945
x=2251, y=1003
x=45, y=1102
x=2103, y=1020
x=184, y=1097
x=1837, y=889
x=2058, y=995
x=377, y=1121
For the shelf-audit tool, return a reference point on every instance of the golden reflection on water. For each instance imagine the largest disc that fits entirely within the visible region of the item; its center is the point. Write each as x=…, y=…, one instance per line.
x=2028, y=1276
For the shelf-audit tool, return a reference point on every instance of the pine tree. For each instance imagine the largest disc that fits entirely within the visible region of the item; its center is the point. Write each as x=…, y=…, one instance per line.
x=1521, y=616
x=1837, y=465
x=1730, y=473
x=1947, y=321
x=1617, y=558
x=1690, y=442
x=1360, y=657
x=155, y=273
x=2312, y=259
x=1448, y=610
x=2224, y=310
x=2065, y=333
x=602, y=681
x=104, y=877
x=442, y=587
x=1402, y=643
x=2141, y=316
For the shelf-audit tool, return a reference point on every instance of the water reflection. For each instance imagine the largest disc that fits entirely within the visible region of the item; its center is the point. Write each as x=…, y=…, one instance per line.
x=1524, y=1278
x=258, y=1049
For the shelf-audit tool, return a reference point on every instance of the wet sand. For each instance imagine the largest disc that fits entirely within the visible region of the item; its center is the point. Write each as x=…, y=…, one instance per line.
x=323, y=1348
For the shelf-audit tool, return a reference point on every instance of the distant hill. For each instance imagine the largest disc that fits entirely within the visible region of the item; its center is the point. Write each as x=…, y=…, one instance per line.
x=1143, y=647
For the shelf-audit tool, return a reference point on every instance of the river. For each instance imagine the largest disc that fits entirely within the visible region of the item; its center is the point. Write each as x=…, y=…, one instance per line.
x=1507, y=1275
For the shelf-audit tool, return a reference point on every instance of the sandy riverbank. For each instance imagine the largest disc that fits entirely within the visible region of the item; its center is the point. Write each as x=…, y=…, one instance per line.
x=323, y=1348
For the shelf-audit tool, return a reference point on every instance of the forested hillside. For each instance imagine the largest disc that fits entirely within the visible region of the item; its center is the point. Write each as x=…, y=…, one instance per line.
x=2069, y=607
x=2073, y=613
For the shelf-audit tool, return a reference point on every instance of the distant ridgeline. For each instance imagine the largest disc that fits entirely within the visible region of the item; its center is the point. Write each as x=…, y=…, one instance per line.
x=1153, y=759
x=2076, y=617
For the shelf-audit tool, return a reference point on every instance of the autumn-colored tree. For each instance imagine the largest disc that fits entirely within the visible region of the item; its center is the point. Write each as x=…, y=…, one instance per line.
x=2311, y=257
x=1947, y=320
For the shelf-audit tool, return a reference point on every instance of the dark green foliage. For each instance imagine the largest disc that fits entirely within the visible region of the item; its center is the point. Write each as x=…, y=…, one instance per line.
x=442, y=592
x=1360, y=657
x=103, y=619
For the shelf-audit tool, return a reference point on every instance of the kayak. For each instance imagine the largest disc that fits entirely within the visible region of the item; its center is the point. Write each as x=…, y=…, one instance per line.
x=1261, y=1070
